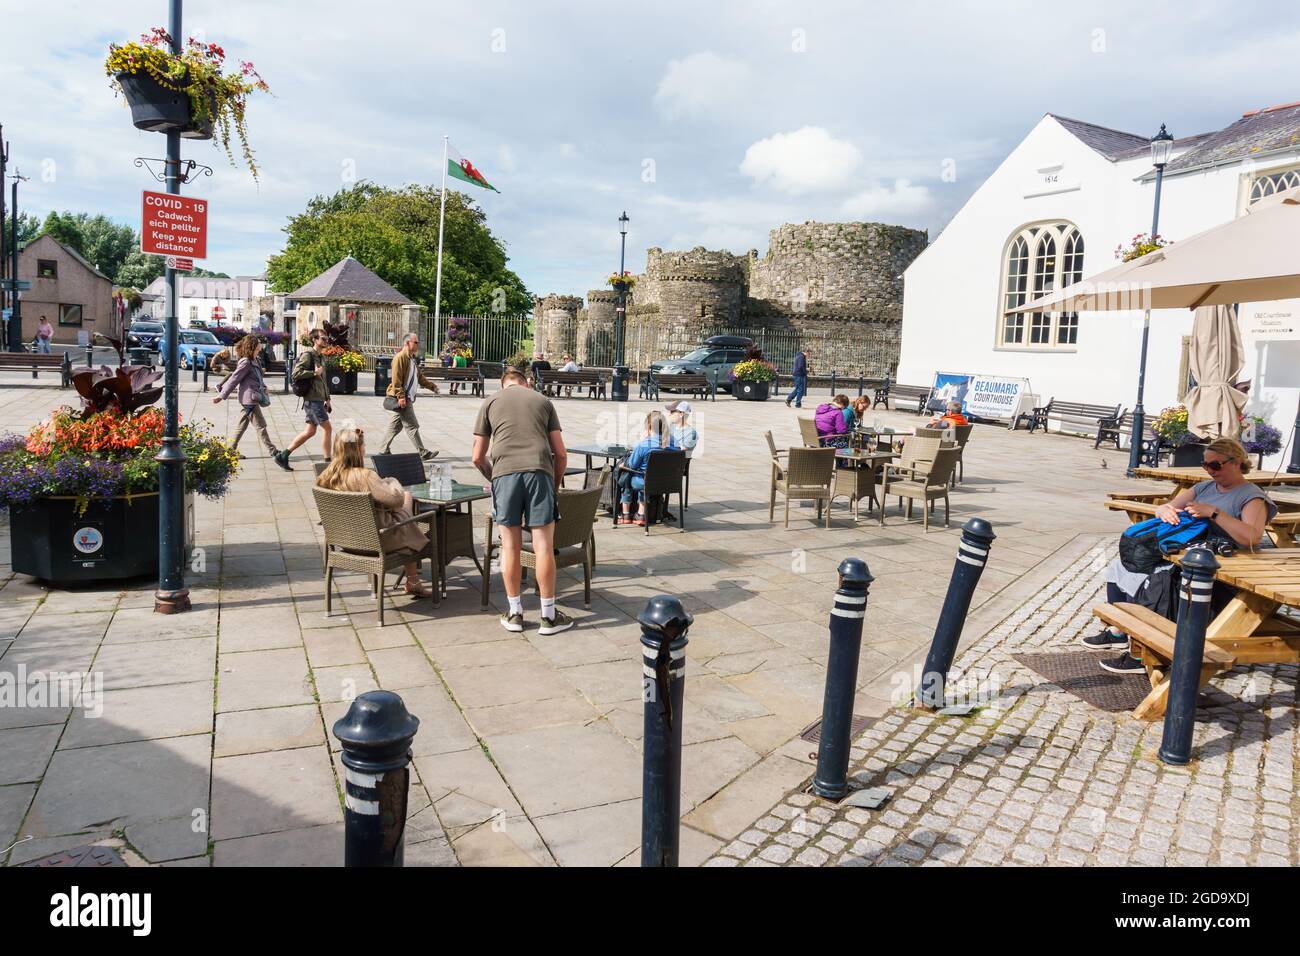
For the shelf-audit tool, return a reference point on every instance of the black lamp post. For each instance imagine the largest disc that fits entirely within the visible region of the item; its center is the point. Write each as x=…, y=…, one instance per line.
x=618, y=386
x=1294, y=467
x=1162, y=145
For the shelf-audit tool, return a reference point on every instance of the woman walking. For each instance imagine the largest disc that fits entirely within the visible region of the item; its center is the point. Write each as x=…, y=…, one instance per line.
x=253, y=396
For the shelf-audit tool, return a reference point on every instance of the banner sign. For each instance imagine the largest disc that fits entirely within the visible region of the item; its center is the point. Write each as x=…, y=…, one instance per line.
x=948, y=387
x=990, y=397
x=173, y=225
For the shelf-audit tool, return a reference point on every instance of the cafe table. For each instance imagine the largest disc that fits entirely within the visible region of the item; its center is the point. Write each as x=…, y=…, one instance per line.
x=1187, y=475
x=858, y=479
x=455, y=527
x=614, y=454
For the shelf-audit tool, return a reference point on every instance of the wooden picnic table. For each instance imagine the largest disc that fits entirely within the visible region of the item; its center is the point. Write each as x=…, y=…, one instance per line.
x=1247, y=631
x=1186, y=476
x=1140, y=505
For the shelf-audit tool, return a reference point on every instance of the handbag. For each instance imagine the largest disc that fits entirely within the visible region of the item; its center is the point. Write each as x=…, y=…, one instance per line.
x=391, y=404
x=264, y=399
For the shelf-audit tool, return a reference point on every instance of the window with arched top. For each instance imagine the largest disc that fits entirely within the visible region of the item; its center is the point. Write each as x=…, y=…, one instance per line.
x=1039, y=259
x=1267, y=184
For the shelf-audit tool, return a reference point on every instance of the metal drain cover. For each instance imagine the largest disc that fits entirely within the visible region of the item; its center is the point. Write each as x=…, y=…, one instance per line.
x=81, y=856
x=868, y=799
x=813, y=731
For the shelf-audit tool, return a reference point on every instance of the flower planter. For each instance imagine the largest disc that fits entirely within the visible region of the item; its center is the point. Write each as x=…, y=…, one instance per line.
x=340, y=382
x=157, y=109
x=113, y=539
x=750, y=391
x=1187, y=456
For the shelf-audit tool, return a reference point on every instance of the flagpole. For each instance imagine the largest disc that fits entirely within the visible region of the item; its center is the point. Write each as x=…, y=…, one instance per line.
x=437, y=294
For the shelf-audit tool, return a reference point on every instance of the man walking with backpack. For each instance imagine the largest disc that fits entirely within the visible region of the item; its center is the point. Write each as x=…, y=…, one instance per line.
x=308, y=381
x=406, y=378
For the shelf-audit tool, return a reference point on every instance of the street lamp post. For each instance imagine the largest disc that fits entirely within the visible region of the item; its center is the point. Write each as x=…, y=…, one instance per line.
x=172, y=596
x=1294, y=467
x=618, y=387
x=15, y=300
x=1162, y=145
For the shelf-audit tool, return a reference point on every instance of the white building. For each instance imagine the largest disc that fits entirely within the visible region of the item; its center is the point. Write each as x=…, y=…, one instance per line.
x=1054, y=212
x=209, y=301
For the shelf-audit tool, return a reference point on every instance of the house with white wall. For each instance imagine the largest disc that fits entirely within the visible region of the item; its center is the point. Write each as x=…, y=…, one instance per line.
x=1054, y=212
x=211, y=301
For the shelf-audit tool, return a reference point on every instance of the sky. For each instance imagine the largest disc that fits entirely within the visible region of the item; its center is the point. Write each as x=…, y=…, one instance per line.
x=710, y=123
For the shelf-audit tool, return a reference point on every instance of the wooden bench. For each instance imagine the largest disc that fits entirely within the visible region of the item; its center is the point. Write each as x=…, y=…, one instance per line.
x=1077, y=413
x=37, y=361
x=471, y=376
x=596, y=383
x=692, y=384
x=1115, y=428
x=911, y=393
x=1152, y=637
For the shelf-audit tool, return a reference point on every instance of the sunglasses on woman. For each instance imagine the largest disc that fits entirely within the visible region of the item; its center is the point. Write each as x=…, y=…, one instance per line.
x=1213, y=466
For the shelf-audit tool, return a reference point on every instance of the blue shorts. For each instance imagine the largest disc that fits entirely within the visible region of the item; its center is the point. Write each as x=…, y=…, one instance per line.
x=316, y=414
x=525, y=498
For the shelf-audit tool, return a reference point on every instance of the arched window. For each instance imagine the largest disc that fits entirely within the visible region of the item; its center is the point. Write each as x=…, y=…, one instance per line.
x=1270, y=183
x=1040, y=259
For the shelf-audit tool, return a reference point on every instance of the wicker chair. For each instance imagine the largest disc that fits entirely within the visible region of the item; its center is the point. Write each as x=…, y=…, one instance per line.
x=575, y=540
x=665, y=474
x=354, y=542
x=962, y=434
x=407, y=468
x=808, y=475
x=928, y=482
x=808, y=430
x=319, y=467
x=771, y=447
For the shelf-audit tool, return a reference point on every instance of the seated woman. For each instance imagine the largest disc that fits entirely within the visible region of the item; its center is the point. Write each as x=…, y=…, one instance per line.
x=861, y=405
x=347, y=471
x=631, y=477
x=1235, y=509
x=832, y=429
x=953, y=416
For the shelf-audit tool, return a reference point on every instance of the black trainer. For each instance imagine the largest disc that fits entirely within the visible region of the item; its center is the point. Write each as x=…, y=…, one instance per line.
x=1104, y=641
x=1124, y=664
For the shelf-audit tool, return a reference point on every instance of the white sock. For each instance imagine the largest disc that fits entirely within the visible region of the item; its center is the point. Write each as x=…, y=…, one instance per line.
x=516, y=604
x=548, y=608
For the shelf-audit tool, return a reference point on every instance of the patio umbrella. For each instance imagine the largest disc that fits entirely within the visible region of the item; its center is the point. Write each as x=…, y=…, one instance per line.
x=1214, y=406
x=1252, y=258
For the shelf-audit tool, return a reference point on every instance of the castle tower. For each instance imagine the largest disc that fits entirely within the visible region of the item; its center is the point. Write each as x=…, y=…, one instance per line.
x=555, y=323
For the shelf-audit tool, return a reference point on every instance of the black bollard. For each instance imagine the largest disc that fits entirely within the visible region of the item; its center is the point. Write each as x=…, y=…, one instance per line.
x=831, y=779
x=972, y=554
x=664, y=624
x=206, y=367
x=90, y=356
x=833, y=375
x=376, y=734
x=194, y=365
x=1199, y=567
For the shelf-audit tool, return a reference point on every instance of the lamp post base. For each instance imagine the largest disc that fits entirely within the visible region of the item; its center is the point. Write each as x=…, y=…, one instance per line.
x=171, y=602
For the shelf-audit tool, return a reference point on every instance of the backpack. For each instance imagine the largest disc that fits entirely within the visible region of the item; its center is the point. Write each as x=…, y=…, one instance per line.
x=301, y=383
x=1143, y=546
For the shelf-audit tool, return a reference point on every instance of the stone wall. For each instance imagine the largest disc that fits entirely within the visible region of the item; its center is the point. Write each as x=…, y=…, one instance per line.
x=553, y=323
x=842, y=266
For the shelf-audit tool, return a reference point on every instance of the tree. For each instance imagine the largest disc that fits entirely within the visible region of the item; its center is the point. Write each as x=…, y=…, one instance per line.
x=29, y=227
x=394, y=233
x=106, y=245
x=64, y=228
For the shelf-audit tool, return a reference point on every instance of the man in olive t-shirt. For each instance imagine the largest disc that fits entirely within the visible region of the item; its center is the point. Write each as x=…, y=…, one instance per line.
x=519, y=448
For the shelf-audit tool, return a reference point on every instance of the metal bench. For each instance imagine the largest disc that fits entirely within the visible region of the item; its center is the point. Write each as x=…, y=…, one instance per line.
x=37, y=361
x=1116, y=428
x=691, y=384
x=596, y=383
x=471, y=376
x=910, y=393
x=1075, y=413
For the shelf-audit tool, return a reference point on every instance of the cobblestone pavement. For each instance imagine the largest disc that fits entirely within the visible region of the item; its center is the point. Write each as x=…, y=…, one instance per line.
x=1041, y=777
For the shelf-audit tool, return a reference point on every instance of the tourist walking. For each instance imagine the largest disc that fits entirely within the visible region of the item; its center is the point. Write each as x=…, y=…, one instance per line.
x=309, y=384
x=406, y=379
x=43, y=336
x=518, y=447
x=799, y=373
x=253, y=396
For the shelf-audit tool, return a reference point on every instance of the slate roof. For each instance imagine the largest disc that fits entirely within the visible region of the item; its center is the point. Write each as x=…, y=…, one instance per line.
x=349, y=281
x=1258, y=132
x=1111, y=143
x=72, y=253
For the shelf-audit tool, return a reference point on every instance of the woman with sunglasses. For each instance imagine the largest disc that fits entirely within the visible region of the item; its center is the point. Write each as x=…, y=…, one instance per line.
x=1235, y=508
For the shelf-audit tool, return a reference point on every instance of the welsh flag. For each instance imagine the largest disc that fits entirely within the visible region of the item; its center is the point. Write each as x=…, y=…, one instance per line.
x=458, y=167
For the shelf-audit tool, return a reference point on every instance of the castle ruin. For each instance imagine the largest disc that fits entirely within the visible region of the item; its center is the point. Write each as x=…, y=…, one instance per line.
x=834, y=289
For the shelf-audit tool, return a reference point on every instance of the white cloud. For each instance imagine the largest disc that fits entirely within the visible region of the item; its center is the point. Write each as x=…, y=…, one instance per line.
x=568, y=150
x=804, y=161
x=902, y=199
x=704, y=85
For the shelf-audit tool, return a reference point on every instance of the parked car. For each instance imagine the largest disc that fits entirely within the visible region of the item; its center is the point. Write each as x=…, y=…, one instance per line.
x=715, y=358
x=190, y=341
x=144, y=335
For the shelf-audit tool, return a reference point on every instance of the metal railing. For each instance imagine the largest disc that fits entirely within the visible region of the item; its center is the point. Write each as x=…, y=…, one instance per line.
x=494, y=338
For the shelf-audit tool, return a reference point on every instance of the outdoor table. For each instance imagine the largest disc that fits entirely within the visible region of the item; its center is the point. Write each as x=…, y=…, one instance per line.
x=1186, y=476
x=463, y=547
x=859, y=479
x=614, y=454
x=1248, y=628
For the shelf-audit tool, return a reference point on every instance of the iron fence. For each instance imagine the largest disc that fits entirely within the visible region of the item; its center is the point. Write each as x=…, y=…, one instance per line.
x=493, y=338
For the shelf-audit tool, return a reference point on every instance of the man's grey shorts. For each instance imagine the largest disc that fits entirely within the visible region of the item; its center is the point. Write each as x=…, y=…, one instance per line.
x=526, y=497
x=316, y=414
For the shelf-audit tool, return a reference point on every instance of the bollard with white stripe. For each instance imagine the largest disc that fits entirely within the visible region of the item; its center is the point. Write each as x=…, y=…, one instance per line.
x=972, y=554
x=831, y=779
x=1199, y=567
x=664, y=624
x=376, y=734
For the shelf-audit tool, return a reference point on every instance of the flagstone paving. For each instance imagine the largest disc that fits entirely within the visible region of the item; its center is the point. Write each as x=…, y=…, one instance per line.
x=214, y=743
